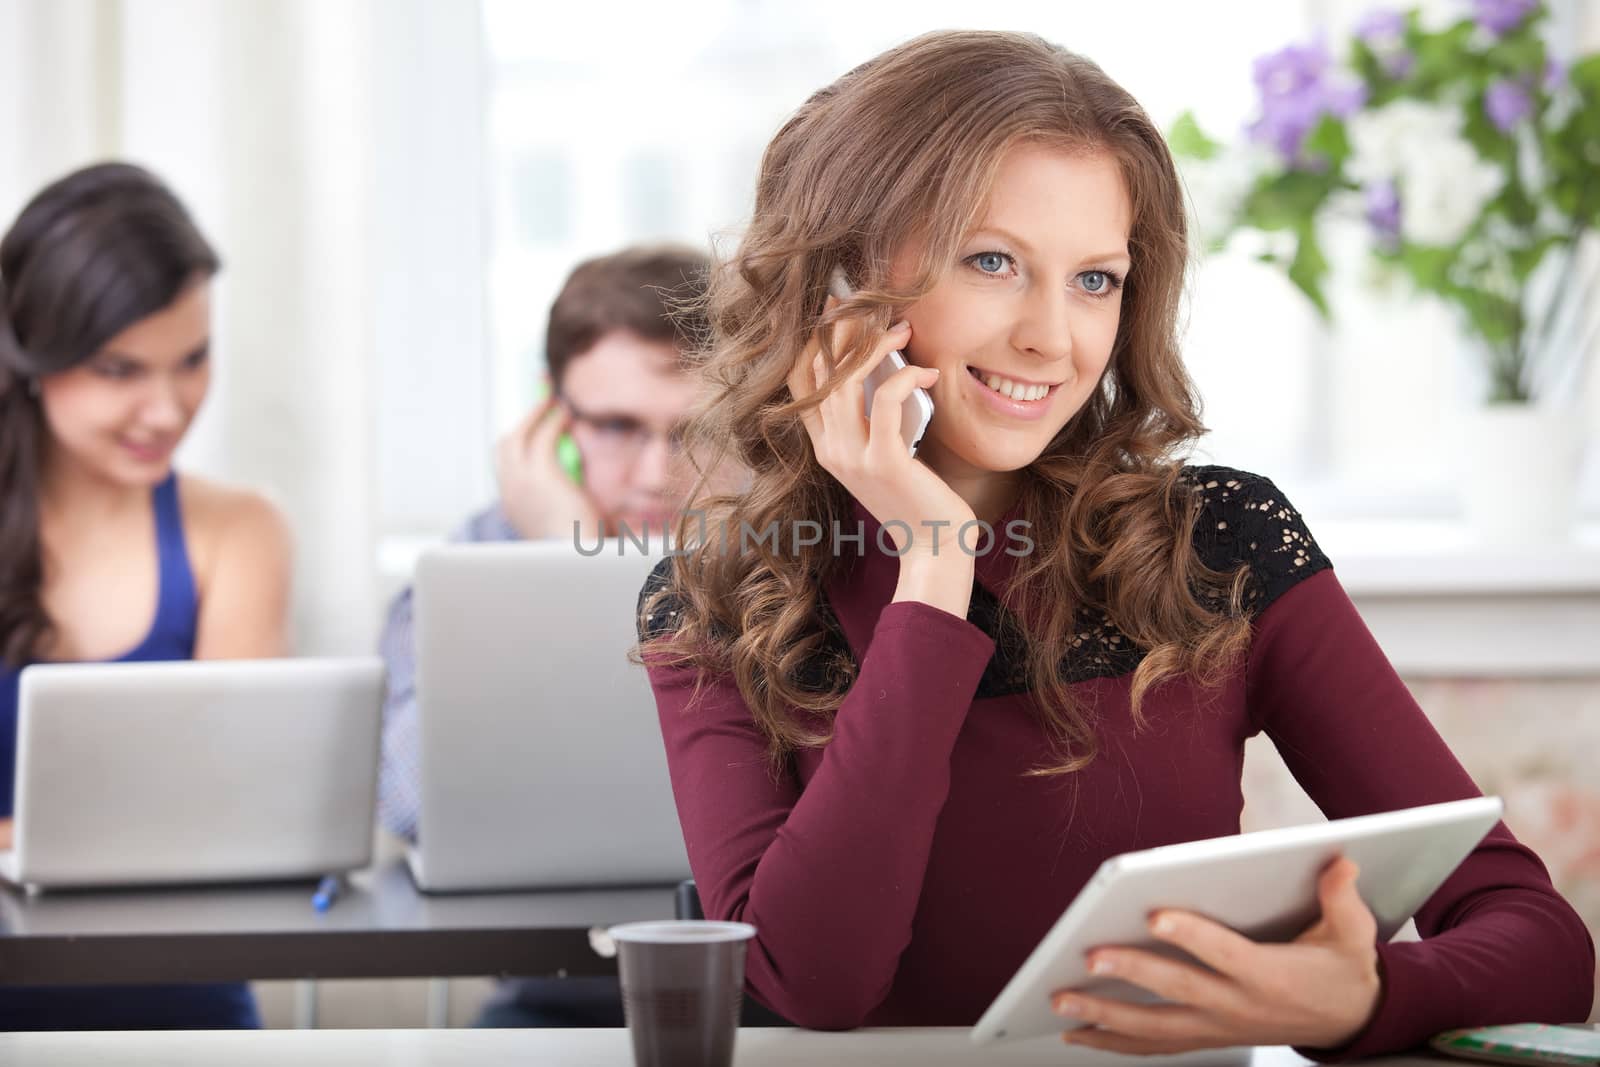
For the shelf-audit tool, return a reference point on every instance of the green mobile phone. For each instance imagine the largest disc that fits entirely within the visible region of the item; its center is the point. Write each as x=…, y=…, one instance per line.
x=570, y=458
x=1523, y=1043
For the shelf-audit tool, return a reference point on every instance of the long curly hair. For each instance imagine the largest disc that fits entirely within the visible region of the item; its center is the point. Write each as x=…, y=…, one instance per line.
x=899, y=153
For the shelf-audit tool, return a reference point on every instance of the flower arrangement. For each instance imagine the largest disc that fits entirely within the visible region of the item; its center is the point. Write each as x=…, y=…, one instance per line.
x=1467, y=152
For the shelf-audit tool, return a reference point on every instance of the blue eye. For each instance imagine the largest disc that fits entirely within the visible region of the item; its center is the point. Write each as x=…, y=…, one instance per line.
x=1100, y=283
x=995, y=263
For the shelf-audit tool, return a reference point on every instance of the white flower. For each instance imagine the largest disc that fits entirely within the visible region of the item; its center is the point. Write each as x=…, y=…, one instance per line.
x=1217, y=187
x=1442, y=195
x=1443, y=182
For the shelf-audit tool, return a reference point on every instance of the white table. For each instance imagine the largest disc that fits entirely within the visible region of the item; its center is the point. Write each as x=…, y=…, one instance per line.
x=939, y=1047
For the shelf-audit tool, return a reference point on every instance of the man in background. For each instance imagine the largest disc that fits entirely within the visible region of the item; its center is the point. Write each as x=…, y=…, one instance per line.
x=617, y=349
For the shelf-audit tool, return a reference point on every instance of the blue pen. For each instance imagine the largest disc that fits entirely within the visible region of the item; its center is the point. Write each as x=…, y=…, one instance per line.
x=327, y=892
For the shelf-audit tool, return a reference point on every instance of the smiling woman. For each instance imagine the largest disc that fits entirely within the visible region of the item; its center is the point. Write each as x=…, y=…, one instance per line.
x=106, y=552
x=902, y=765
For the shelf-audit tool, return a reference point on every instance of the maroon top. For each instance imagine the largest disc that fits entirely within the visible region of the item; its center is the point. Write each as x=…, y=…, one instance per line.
x=901, y=874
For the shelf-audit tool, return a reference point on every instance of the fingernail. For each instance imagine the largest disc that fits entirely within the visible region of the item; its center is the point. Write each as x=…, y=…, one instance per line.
x=1164, y=924
x=1101, y=965
x=1066, y=1005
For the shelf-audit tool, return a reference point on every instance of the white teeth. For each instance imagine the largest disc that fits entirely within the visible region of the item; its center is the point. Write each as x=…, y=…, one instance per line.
x=1015, y=390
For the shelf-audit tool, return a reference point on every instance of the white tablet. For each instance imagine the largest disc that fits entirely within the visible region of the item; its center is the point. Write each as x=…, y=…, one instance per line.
x=1262, y=884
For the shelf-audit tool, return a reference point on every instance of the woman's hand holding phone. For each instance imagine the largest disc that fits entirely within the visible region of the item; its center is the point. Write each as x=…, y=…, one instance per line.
x=870, y=459
x=538, y=497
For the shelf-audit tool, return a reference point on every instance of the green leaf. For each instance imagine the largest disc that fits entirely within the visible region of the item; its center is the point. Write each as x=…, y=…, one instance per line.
x=1514, y=203
x=1429, y=267
x=1524, y=261
x=1493, y=318
x=1365, y=63
x=1187, y=139
x=1585, y=76
x=1329, y=140
x=1519, y=53
x=1286, y=201
x=1309, y=268
x=1442, y=57
x=1485, y=136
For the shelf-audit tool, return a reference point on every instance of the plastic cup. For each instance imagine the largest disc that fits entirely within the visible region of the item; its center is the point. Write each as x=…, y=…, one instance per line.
x=682, y=984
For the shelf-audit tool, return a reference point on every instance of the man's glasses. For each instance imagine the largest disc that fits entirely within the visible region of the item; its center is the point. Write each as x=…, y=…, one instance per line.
x=622, y=436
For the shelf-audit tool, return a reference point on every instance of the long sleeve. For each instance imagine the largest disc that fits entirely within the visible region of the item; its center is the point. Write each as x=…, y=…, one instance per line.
x=399, y=776
x=1499, y=943
x=830, y=876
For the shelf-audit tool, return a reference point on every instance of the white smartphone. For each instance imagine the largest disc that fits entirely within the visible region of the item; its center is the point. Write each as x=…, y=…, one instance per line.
x=917, y=411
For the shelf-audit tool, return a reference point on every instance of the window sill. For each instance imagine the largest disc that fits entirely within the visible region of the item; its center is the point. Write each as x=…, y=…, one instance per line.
x=1442, y=605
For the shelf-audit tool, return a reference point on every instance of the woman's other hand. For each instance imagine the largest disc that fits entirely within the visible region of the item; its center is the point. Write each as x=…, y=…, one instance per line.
x=1319, y=990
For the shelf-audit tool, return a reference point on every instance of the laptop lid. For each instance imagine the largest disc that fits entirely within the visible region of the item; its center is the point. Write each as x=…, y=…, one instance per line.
x=195, y=771
x=542, y=762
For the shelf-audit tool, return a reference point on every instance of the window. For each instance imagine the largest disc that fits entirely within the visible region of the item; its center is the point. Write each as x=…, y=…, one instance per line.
x=595, y=139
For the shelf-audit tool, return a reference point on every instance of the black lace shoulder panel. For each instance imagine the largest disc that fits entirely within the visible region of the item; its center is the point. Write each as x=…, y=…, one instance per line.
x=663, y=620
x=1244, y=518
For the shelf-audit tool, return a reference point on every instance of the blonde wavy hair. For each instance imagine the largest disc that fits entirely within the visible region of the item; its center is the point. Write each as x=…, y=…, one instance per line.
x=899, y=153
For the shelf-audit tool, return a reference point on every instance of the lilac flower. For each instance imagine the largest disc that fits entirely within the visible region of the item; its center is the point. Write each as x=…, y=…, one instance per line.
x=1383, y=213
x=1398, y=64
x=1507, y=103
x=1500, y=17
x=1381, y=29
x=1383, y=32
x=1555, y=75
x=1296, y=92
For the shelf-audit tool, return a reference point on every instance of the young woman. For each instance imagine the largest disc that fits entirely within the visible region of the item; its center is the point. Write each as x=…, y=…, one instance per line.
x=106, y=552
x=901, y=750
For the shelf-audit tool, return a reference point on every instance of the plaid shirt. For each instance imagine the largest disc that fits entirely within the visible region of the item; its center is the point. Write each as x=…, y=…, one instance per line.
x=399, y=779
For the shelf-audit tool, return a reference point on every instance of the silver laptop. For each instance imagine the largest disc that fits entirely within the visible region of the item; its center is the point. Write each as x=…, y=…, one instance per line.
x=541, y=756
x=194, y=771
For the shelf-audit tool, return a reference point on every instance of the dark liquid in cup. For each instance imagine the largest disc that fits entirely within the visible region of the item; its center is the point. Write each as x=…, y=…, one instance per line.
x=682, y=1001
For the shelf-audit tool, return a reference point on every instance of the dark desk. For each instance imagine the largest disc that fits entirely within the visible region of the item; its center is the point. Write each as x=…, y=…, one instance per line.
x=380, y=927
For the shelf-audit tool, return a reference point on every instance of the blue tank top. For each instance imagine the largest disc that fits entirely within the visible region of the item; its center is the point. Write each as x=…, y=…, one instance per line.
x=212, y=1006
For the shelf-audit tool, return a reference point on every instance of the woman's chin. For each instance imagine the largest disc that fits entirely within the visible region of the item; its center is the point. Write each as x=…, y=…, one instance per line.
x=987, y=455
